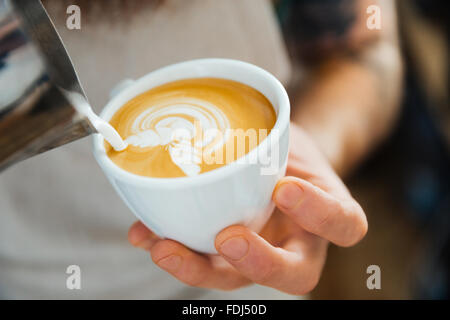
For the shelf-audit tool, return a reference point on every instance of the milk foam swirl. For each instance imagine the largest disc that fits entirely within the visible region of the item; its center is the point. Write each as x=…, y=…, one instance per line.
x=188, y=127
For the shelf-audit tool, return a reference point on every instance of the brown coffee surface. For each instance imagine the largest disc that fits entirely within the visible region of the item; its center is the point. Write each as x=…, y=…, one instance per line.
x=189, y=127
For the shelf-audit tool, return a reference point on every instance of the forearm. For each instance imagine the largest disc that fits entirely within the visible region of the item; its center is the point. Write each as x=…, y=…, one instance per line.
x=350, y=104
x=351, y=99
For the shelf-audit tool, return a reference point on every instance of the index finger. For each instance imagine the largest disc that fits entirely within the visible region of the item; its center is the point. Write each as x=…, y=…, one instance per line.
x=294, y=268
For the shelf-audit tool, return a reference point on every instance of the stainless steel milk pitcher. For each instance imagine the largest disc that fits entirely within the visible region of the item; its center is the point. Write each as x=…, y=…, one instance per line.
x=35, y=115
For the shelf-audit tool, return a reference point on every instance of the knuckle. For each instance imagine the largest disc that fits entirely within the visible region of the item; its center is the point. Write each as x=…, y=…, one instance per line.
x=307, y=286
x=361, y=226
x=323, y=221
x=230, y=286
x=326, y=219
x=194, y=281
x=158, y=250
x=311, y=285
x=264, y=275
x=364, y=227
x=192, y=274
x=358, y=225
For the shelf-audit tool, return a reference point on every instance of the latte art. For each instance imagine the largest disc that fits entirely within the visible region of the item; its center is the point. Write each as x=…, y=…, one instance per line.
x=172, y=128
x=174, y=123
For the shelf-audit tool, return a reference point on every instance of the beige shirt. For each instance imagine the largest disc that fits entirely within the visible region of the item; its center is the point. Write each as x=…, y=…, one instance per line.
x=57, y=209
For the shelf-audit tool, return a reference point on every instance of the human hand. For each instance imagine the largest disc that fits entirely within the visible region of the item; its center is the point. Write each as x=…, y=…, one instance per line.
x=313, y=207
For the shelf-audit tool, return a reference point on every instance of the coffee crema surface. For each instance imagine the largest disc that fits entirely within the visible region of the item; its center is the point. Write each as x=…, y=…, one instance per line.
x=191, y=126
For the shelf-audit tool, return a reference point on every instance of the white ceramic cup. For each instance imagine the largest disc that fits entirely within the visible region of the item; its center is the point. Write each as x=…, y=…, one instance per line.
x=193, y=210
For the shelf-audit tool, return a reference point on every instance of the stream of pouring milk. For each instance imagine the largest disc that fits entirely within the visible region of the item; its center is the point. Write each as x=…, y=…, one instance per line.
x=110, y=134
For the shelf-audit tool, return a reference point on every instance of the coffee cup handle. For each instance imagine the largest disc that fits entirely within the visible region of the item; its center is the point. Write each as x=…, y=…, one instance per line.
x=119, y=87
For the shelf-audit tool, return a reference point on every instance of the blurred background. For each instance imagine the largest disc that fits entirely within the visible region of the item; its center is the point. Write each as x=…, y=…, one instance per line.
x=404, y=186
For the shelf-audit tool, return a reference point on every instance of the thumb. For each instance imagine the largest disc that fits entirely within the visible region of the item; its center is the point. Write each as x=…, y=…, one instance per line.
x=341, y=221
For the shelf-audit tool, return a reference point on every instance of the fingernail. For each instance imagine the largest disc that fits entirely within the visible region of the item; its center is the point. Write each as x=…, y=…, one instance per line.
x=170, y=263
x=146, y=244
x=234, y=248
x=288, y=195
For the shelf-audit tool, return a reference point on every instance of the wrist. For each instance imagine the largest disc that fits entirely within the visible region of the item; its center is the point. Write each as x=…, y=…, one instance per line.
x=327, y=140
